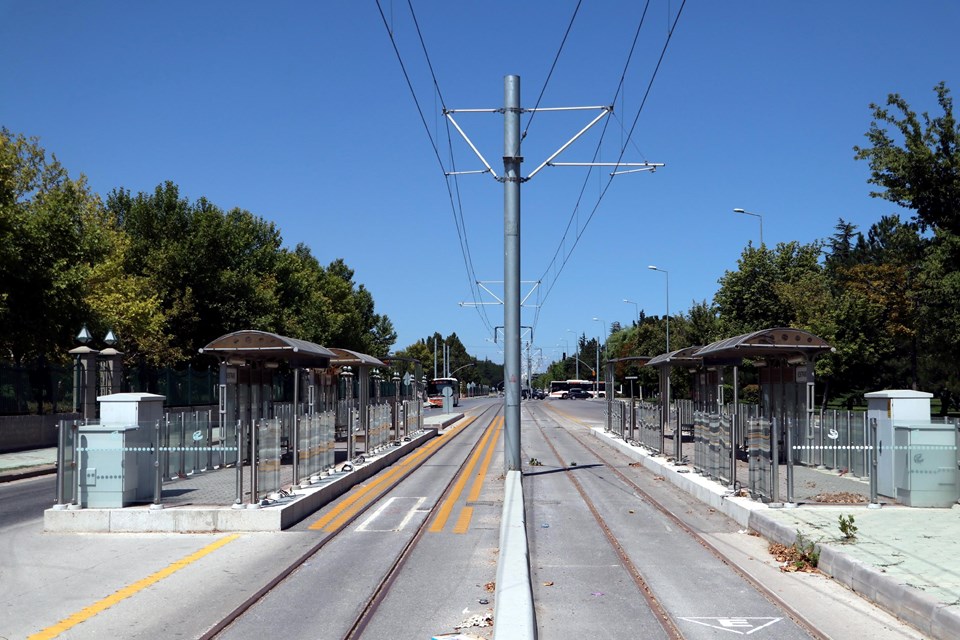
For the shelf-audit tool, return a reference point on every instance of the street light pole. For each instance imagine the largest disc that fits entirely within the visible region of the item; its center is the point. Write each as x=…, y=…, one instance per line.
x=666, y=273
x=755, y=215
x=577, y=356
x=597, y=373
x=635, y=306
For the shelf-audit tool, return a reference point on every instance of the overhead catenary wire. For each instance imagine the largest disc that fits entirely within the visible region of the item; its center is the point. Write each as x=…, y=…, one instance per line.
x=553, y=66
x=458, y=219
x=457, y=208
x=629, y=136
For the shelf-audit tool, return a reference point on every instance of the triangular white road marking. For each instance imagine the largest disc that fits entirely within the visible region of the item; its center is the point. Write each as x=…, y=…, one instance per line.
x=743, y=626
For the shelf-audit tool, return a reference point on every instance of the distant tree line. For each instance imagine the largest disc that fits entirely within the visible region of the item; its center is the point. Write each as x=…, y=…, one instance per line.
x=165, y=274
x=464, y=367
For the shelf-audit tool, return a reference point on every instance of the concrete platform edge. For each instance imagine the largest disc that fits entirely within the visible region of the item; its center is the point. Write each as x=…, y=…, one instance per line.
x=514, y=614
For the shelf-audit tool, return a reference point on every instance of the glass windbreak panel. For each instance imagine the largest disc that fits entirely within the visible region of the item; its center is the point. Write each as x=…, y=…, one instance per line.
x=224, y=440
x=307, y=443
x=859, y=444
x=68, y=464
x=268, y=457
x=173, y=449
x=724, y=446
x=327, y=438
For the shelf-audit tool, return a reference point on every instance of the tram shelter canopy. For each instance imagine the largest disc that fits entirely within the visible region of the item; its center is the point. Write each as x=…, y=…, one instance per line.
x=261, y=346
x=346, y=357
x=781, y=343
x=680, y=357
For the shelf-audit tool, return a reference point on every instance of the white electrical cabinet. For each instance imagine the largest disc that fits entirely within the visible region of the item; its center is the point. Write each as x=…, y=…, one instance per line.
x=886, y=407
x=117, y=454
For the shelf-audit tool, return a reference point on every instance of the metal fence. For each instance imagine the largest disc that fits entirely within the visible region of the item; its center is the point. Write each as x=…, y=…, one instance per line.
x=37, y=388
x=637, y=422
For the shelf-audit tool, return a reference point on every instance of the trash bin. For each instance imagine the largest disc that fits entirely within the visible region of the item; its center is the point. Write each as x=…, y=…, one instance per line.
x=926, y=465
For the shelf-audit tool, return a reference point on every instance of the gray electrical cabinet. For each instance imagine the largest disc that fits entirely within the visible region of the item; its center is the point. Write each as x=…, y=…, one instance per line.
x=116, y=455
x=926, y=465
x=900, y=406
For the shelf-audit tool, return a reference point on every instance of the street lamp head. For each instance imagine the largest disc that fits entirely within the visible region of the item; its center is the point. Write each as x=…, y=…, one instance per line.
x=84, y=336
x=652, y=267
x=739, y=210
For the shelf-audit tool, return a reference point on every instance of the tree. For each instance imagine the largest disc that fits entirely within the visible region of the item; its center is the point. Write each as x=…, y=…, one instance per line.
x=751, y=298
x=44, y=219
x=920, y=168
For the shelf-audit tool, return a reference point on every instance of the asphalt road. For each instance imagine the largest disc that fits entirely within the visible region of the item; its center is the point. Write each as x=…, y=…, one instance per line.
x=23, y=501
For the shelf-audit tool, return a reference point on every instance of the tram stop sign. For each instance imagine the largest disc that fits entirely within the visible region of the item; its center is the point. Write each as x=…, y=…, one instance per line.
x=447, y=400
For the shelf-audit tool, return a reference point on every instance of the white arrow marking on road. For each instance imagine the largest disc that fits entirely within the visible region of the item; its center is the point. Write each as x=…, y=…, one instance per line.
x=741, y=626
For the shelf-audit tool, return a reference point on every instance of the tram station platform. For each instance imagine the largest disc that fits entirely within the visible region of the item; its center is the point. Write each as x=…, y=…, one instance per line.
x=905, y=559
x=206, y=501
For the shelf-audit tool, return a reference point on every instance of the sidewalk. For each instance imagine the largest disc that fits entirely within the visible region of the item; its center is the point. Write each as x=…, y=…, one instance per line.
x=27, y=464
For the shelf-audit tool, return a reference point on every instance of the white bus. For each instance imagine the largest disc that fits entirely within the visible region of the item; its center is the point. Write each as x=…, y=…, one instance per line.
x=559, y=388
x=435, y=391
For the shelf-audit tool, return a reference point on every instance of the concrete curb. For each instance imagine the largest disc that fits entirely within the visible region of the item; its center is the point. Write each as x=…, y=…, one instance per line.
x=910, y=605
x=27, y=472
x=514, y=615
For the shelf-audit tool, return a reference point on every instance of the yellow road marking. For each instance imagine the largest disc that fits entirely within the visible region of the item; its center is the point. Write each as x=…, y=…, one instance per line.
x=567, y=415
x=482, y=472
x=447, y=507
x=130, y=590
x=444, y=513
x=463, y=522
x=364, y=494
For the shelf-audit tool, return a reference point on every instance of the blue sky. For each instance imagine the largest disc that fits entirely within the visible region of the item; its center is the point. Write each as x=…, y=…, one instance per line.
x=300, y=113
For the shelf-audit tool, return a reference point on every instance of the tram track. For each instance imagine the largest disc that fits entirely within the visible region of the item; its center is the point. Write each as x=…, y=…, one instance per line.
x=344, y=516
x=666, y=619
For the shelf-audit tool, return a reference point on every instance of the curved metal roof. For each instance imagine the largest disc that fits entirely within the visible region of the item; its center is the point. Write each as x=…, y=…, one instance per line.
x=262, y=346
x=680, y=356
x=641, y=359
x=343, y=357
x=779, y=341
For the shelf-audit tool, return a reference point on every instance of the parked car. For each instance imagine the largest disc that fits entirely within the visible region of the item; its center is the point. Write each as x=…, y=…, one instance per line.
x=574, y=393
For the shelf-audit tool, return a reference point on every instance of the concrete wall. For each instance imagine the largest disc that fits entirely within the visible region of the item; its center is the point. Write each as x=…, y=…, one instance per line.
x=19, y=433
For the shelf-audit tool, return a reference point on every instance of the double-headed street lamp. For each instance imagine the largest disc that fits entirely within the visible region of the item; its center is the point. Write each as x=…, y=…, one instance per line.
x=755, y=215
x=666, y=273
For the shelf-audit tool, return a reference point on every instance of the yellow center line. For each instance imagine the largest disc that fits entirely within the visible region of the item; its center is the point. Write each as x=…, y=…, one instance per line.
x=130, y=590
x=482, y=472
x=463, y=521
x=567, y=415
x=364, y=494
x=444, y=513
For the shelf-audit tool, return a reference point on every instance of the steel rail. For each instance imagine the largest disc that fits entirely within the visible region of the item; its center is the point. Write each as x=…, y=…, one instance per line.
x=660, y=613
x=379, y=591
x=776, y=600
x=383, y=588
